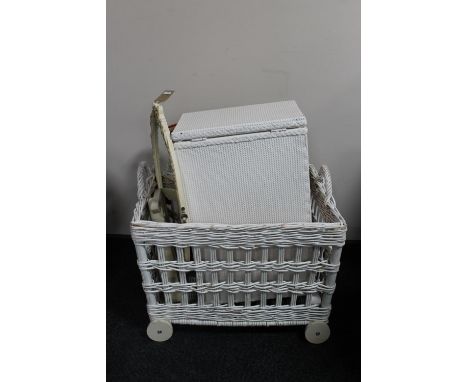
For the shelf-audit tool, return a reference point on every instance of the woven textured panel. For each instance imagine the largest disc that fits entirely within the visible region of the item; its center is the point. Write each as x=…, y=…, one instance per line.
x=253, y=178
x=240, y=275
x=238, y=316
x=238, y=120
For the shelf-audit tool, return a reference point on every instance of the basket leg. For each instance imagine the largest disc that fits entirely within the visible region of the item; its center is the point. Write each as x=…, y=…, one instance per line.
x=334, y=258
x=317, y=332
x=159, y=330
x=146, y=275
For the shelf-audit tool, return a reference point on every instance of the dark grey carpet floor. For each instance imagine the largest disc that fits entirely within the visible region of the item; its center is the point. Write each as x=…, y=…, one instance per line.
x=227, y=354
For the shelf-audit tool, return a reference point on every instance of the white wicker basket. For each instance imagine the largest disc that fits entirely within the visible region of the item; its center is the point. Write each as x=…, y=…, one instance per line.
x=244, y=164
x=236, y=274
x=286, y=266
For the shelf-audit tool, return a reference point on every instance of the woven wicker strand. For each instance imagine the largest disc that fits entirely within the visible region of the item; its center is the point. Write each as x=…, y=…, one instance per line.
x=240, y=275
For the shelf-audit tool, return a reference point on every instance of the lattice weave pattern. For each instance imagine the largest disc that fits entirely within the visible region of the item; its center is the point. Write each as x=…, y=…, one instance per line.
x=242, y=275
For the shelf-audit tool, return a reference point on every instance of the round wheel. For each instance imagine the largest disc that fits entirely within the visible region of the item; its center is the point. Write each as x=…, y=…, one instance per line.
x=159, y=330
x=317, y=332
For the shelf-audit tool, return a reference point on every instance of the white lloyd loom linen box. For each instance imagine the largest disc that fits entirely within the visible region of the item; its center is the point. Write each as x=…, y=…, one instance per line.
x=247, y=164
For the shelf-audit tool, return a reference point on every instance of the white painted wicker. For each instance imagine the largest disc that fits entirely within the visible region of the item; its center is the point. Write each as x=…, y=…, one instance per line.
x=244, y=164
x=288, y=270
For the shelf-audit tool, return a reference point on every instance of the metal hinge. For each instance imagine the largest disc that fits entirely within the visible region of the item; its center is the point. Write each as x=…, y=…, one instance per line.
x=164, y=96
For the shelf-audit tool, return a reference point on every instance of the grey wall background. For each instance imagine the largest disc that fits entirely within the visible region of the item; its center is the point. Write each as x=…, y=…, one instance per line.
x=222, y=53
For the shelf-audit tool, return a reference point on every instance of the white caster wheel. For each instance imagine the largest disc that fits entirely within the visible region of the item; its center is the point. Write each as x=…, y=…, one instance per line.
x=159, y=330
x=317, y=332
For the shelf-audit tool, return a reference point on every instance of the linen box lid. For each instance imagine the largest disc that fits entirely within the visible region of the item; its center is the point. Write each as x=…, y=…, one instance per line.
x=238, y=120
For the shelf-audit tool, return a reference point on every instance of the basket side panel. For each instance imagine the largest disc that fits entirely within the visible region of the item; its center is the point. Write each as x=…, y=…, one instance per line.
x=247, y=181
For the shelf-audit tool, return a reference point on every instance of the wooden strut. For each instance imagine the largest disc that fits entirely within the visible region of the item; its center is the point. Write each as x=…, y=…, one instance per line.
x=158, y=121
x=157, y=204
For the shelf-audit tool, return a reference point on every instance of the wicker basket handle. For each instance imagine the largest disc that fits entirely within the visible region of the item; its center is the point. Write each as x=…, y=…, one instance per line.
x=144, y=180
x=324, y=173
x=323, y=179
x=158, y=122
